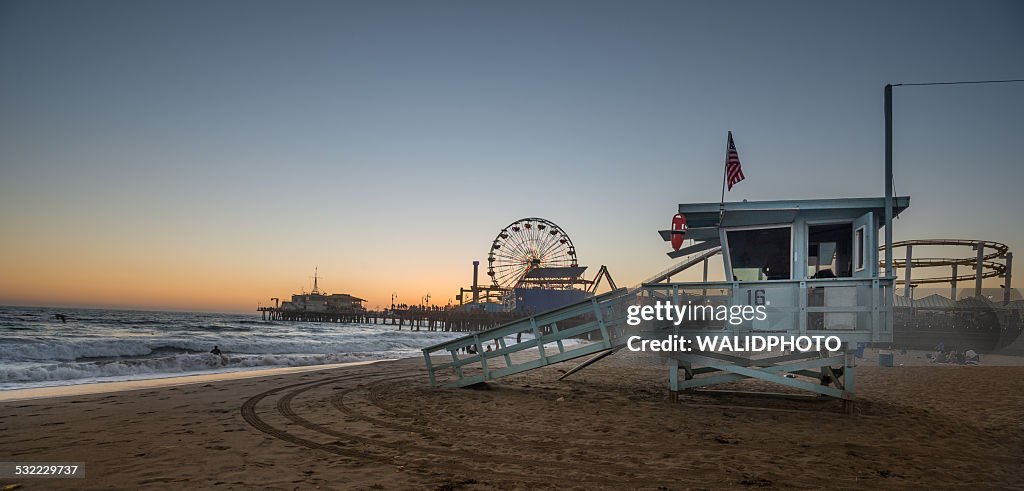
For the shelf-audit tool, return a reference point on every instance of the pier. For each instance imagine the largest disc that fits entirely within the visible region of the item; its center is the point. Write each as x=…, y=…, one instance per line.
x=413, y=318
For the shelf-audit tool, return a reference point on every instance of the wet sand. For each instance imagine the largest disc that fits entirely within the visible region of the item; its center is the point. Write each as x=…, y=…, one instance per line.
x=610, y=426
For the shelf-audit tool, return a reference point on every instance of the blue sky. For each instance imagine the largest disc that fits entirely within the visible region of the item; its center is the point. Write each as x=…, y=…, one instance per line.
x=235, y=145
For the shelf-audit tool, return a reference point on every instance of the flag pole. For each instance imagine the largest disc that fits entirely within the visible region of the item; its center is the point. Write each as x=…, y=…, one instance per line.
x=725, y=169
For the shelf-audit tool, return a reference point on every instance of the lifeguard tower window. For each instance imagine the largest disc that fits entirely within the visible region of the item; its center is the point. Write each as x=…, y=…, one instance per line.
x=760, y=254
x=860, y=248
x=829, y=251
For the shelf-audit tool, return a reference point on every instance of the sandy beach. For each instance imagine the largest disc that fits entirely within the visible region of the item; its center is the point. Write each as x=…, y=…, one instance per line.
x=611, y=426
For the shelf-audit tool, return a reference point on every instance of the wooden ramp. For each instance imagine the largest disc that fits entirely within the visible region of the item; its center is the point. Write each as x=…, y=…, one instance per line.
x=580, y=329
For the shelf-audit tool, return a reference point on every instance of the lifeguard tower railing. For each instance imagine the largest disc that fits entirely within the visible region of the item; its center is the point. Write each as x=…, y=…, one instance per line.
x=853, y=309
x=856, y=310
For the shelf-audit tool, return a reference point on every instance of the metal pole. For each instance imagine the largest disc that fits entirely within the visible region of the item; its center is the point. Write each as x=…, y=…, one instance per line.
x=906, y=275
x=888, y=181
x=1009, y=276
x=952, y=285
x=725, y=169
x=978, y=269
x=476, y=289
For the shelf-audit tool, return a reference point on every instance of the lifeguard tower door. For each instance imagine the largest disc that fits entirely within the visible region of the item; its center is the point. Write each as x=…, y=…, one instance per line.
x=864, y=266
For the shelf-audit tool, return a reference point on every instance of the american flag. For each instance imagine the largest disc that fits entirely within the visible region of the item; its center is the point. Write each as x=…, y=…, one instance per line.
x=733, y=171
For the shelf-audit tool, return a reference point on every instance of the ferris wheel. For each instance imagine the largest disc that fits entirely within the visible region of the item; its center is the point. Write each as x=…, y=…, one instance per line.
x=526, y=244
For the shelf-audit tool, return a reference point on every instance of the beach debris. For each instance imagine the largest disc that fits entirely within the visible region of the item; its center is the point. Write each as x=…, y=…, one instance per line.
x=453, y=485
x=760, y=482
x=560, y=399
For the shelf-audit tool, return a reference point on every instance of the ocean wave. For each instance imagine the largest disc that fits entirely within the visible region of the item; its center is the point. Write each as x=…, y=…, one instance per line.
x=264, y=323
x=219, y=328
x=31, y=350
x=292, y=341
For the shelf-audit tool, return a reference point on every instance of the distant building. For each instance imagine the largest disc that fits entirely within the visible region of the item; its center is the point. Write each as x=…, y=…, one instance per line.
x=310, y=302
x=995, y=294
x=543, y=289
x=344, y=301
x=324, y=302
x=318, y=301
x=321, y=302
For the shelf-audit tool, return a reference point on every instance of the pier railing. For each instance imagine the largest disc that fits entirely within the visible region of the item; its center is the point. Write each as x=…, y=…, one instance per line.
x=429, y=319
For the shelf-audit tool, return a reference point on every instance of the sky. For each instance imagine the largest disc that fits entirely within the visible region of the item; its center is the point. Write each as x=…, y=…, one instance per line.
x=196, y=155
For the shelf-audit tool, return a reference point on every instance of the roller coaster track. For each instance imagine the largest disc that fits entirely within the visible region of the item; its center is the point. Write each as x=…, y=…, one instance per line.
x=990, y=267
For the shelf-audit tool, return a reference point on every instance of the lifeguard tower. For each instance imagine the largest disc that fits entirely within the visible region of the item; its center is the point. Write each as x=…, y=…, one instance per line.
x=811, y=264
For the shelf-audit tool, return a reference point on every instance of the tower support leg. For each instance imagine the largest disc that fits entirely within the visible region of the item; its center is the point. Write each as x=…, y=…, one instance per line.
x=849, y=379
x=673, y=380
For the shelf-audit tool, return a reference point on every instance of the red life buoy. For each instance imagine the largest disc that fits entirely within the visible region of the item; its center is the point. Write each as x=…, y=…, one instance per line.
x=678, y=230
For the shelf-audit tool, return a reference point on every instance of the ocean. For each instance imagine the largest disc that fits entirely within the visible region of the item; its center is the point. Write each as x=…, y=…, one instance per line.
x=93, y=345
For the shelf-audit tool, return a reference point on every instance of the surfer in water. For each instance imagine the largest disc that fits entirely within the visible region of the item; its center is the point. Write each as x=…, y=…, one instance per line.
x=63, y=319
x=221, y=359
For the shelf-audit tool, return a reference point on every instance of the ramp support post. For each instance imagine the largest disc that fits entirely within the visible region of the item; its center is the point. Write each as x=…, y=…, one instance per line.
x=848, y=380
x=673, y=380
